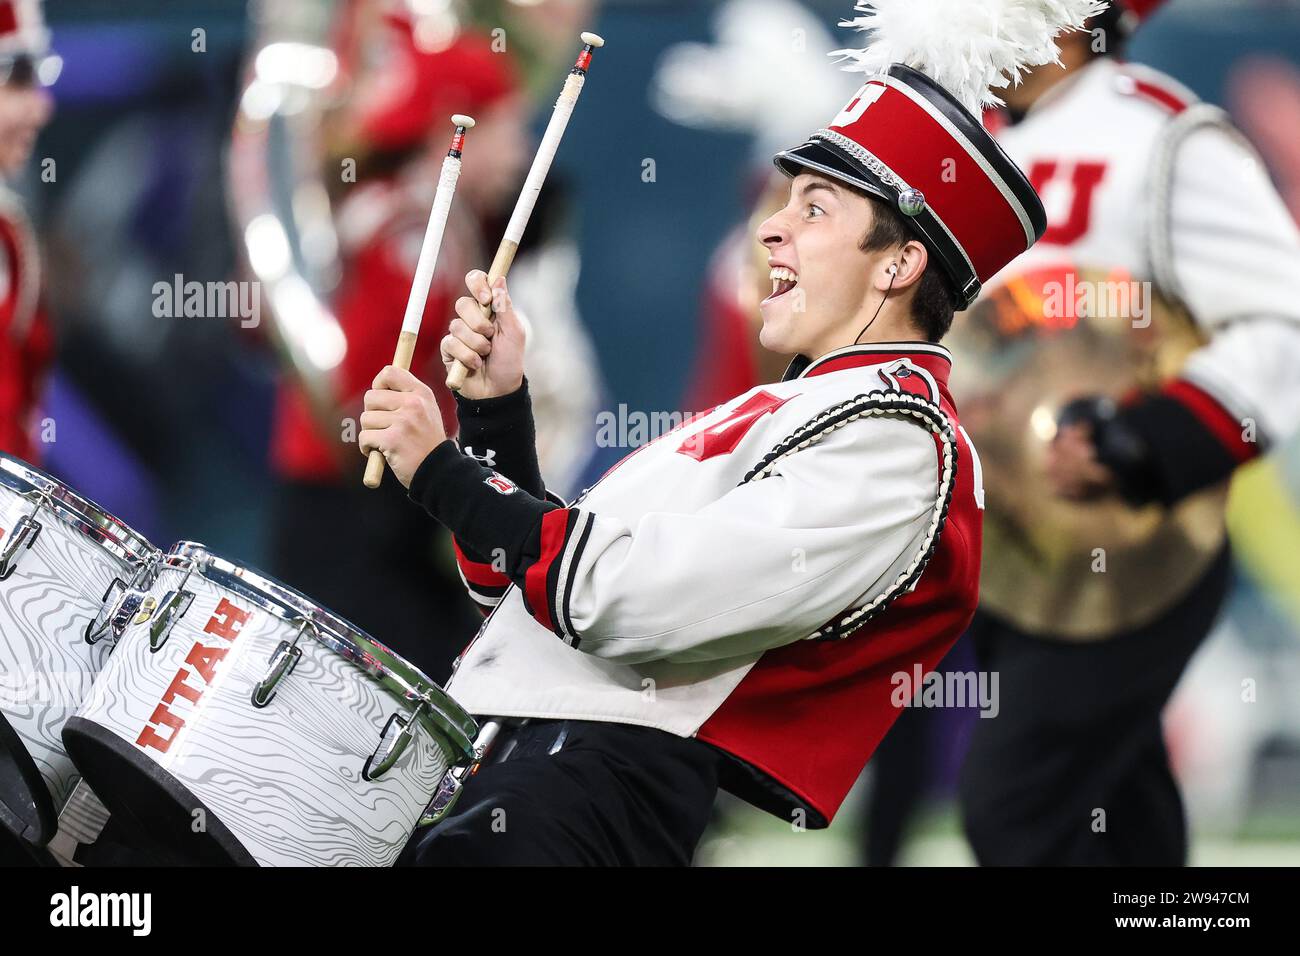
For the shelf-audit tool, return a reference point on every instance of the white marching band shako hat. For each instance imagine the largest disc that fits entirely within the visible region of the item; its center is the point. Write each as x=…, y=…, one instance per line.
x=911, y=137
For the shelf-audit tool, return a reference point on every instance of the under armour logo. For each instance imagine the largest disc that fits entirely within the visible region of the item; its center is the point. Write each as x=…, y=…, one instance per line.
x=487, y=459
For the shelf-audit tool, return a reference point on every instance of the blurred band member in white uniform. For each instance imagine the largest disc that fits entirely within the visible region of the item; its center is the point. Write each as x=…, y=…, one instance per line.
x=1114, y=377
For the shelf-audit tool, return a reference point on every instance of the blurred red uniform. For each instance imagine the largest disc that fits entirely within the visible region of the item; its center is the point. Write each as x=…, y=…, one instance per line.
x=26, y=346
x=381, y=225
x=330, y=537
x=369, y=305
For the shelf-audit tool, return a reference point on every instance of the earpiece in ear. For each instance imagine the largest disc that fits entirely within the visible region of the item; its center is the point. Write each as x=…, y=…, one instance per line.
x=893, y=268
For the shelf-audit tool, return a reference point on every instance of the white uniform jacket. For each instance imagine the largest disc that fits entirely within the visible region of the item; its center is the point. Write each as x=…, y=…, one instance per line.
x=1140, y=178
x=756, y=577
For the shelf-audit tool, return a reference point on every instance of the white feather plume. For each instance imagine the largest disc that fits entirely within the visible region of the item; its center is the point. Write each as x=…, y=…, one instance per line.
x=753, y=78
x=970, y=47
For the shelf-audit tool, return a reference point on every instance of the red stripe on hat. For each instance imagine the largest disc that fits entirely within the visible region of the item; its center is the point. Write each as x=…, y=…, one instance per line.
x=8, y=18
x=911, y=142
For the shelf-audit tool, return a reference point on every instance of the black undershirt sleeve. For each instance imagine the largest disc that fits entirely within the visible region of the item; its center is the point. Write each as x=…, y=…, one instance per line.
x=1157, y=448
x=500, y=433
x=1182, y=456
x=485, y=513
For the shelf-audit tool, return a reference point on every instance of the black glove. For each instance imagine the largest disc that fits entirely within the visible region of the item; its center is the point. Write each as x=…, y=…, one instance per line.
x=1157, y=446
x=1119, y=446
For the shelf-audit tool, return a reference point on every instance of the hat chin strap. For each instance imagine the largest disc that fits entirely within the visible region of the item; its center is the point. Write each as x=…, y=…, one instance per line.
x=893, y=277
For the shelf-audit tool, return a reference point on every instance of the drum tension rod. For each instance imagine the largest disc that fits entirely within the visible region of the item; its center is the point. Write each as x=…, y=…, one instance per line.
x=172, y=608
x=448, y=792
x=283, y=661
x=24, y=535
x=376, y=766
x=132, y=605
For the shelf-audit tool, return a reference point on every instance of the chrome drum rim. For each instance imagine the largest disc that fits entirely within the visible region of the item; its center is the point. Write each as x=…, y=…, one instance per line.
x=445, y=720
x=80, y=514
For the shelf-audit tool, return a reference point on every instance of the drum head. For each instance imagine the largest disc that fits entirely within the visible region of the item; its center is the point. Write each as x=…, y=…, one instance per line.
x=150, y=808
x=26, y=809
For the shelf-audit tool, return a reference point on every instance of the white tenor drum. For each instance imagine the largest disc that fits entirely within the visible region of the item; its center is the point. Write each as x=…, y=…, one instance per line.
x=243, y=723
x=70, y=580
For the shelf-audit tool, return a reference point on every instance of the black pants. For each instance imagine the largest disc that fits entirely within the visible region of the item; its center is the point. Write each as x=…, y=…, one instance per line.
x=578, y=793
x=901, y=764
x=1073, y=769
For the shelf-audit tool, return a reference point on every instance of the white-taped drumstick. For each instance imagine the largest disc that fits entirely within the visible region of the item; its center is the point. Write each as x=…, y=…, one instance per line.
x=424, y=270
x=533, y=184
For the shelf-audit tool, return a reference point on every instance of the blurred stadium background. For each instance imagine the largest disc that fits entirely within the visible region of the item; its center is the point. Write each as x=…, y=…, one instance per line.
x=168, y=421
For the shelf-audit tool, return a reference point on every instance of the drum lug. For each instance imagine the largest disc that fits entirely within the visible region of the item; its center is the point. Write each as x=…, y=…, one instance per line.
x=283, y=661
x=174, y=605
x=24, y=535
x=171, y=610
x=448, y=792
x=392, y=745
x=101, y=623
x=130, y=606
x=133, y=604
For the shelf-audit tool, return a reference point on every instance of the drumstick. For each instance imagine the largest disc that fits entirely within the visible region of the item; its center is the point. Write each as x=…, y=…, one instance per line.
x=427, y=262
x=533, y=184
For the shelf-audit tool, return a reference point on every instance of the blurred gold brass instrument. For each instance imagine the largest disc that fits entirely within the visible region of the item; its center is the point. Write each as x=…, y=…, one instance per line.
x=278, y=198
x=1080, y=571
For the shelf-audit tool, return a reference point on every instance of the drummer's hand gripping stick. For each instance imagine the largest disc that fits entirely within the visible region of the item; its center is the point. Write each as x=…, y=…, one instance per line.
x=424, y=270
x=533, y=184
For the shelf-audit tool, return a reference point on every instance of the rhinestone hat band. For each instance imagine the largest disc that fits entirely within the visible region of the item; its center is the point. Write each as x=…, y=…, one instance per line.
x=911, y=202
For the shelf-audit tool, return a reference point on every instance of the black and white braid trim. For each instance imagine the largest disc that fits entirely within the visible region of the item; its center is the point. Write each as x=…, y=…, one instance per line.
x=869, y=405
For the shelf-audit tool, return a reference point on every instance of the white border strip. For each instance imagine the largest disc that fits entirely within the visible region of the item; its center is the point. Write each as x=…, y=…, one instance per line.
x=901, y=349
x=561, y=584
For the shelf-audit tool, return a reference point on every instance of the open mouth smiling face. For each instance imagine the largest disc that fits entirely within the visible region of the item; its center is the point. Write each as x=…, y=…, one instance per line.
x=783, y=282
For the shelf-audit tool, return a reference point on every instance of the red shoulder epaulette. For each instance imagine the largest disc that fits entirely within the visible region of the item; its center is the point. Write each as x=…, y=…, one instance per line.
x=1156, y=88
